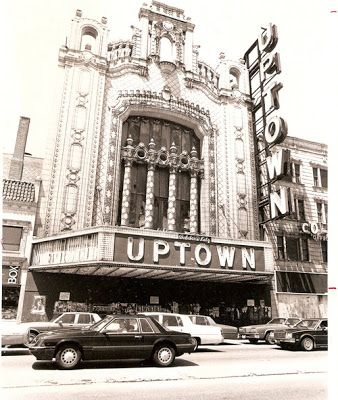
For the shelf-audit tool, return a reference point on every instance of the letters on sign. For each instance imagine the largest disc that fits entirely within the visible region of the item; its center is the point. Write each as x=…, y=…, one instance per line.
x=202, y=253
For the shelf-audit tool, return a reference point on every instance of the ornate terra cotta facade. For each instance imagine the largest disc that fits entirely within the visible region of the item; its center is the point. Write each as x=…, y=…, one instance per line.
x=153, y=150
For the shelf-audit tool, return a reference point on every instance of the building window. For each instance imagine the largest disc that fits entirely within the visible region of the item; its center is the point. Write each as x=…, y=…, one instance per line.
x=166, y=49
x=234, y=78
x=295, y=172
x=299, y=282
x=301, y=210
x=304, y=248
x=160, y=153
x=322, y=214
x=323, y=245
x=10, y=301
x=11, y=238
x=280, y=248
x=292, y=248
x=319, y=177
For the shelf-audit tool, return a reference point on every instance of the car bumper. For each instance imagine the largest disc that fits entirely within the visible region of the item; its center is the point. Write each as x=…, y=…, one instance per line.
x=250, y=336
x=42, y=353
x=12, y=340
x=281, y=341
x=231, y=336
x=184, y=348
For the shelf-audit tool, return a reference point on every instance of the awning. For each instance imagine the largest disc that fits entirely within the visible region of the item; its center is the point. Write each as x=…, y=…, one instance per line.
x=149, y=271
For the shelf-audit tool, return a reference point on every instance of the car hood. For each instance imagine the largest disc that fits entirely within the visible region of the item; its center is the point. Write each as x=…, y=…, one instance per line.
x=65, y=332
x=264, y=326
x=228, y=327
x=292, y=330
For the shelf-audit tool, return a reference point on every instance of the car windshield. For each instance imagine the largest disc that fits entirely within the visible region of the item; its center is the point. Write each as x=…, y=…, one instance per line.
x=100, y=324
x=292, y=321
x=277, y=321
x=307, y=323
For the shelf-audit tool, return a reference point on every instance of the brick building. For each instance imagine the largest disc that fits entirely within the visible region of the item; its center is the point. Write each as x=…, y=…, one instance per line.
x=300, y=239
x=20, y=194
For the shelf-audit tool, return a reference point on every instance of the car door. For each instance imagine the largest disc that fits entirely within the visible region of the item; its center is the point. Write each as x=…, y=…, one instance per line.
x=83, y=320
x=67, y=320
x=321, y=334
x=123, y=339
x=172, y=322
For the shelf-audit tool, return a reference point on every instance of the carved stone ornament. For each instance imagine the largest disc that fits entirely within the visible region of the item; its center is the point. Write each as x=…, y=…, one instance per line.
x=167, y=25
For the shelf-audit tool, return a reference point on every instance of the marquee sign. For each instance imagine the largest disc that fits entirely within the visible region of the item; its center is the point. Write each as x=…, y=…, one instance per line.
x=263, y=63
x=187, y=253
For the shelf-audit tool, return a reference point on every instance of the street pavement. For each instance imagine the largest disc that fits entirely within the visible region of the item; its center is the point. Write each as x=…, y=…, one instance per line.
x=232, y=360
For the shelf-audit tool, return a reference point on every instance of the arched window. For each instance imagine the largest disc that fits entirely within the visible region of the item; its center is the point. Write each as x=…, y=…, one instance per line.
x=88, y=38
x=168, y=165
x=234, y=78
x=166, y=49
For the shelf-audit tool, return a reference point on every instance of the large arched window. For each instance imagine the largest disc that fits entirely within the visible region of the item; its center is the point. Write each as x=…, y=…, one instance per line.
x=166, y=49
x=164, y=158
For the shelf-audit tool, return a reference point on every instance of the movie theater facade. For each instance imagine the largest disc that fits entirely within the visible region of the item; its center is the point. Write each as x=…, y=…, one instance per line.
x=150, y=192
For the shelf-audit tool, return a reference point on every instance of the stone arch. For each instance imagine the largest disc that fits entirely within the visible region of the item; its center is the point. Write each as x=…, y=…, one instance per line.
x=89, y=36
x=234, y=77
x=204, y=131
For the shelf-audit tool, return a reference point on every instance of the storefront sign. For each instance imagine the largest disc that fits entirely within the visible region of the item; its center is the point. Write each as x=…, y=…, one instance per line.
x=10, y=275
x=154, y=300
x=189, y=254
x=64, y=296
x=314, y=229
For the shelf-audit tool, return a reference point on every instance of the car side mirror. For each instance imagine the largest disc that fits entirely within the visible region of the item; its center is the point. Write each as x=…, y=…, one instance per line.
x=60, y=323
x=324, y=328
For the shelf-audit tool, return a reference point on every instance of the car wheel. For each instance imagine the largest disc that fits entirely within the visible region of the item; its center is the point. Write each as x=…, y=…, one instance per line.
x=307, y=344
x=253, y=341
x=164, y=355
x=268, y=338
x=68, y=356
x=31, y=337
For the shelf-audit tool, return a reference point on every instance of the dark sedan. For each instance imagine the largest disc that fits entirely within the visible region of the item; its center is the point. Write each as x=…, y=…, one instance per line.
x=307, y=335
x=115, y=337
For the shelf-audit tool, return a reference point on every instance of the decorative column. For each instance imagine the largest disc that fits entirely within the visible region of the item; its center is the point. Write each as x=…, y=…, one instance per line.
x=127, y=156
x=193, y=202
x=149, y=210
x=172, y=188
x=195, y=169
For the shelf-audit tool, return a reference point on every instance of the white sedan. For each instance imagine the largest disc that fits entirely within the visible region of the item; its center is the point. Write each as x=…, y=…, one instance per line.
x=204, y=334
x=18, y=334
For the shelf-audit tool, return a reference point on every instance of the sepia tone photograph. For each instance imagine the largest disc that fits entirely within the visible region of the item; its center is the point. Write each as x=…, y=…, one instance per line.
x=165, y=200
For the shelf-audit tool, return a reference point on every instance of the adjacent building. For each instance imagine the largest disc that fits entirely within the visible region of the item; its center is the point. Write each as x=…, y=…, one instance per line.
x=20, y=194
x=300, y=239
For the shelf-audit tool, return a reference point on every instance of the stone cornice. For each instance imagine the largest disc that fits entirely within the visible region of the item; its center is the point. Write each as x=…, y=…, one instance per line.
x=86, y=58
x=307, y=145
x=132, y=65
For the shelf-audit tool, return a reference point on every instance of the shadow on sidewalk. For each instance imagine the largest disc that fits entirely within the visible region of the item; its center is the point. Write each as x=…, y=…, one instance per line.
x=48, y=365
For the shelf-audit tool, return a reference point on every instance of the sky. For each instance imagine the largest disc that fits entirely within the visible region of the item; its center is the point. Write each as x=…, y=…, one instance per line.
x=35, y=30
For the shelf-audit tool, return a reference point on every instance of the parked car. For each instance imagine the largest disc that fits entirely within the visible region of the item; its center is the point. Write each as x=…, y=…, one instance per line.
x=254, y=333
x=114, y=337
x=14, y=334
x=228, y=331
x=182, y=323
x=307, y=335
